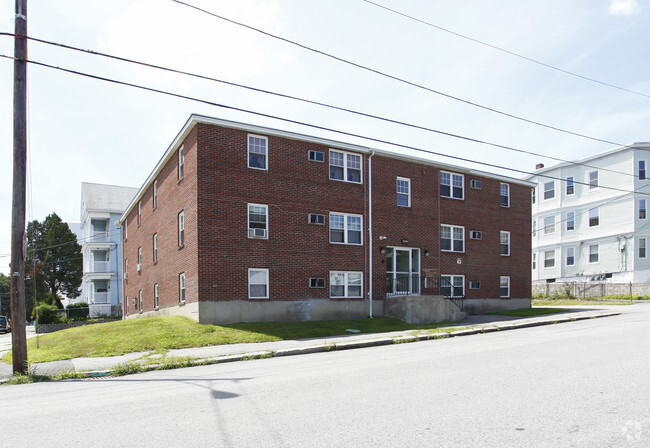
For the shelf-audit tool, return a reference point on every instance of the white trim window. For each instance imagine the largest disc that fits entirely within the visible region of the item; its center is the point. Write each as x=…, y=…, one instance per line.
x=181, y=162
x=504, y=286
x=155, y=247
x=258, y=221
x=126, y=229
x=155, y=194
x=534, y=261
x=126, y=268
x=549, y=225
x=345, y=166
x=593, y=179
x=549, y=190
x=533, y=195
x=642, y=170
x=181, y=287
x=139, y=212
x=452, y=238
x=181, y=229
x=346, y=229
x=549, y=259
x=258, y=152
x=642, y=209
x=570, y=187
x=593, y=253
x=140, y=299
x=258, y=283
x=346, y=284
x=570, y=221
x=504, y=195
x=452, y=285
x=594, y=217
x=505, y=244
x=403, y=192
x=140, y=257
x=570, y=256
x=452, y=185
x=534, y=227
x=155, y=296
x=642, y=247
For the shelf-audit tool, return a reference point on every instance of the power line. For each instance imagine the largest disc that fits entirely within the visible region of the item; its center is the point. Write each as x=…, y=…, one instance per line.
x=310, y=125
x=396, y=78
x=512, y=53
x=318, y=103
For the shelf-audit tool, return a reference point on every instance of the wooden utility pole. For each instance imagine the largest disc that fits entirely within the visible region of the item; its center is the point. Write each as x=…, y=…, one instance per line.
x=18, y=241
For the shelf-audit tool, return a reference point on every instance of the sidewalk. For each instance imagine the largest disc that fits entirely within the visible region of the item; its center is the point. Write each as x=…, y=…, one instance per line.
x=473, y=324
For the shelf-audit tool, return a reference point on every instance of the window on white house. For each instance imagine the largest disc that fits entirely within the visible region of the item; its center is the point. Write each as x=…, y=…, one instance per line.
x=155, y=194
x=570, y=256
x=181, y=162
x=505, y=243
x=570, y=221
x=533, y=195
x=181, y=287
x=534, y=227
x=452, y=185
x=549, y=190
x=642, y=175
x=258, y=221
x=403, y=192
x=593, y=253
x=345, y=166
x=452, y=238
x=452, y=285
x=258, y=283
x=345, y=229
x=549, y=259
x=181, y=229
x=346, y=284
x=139, y=212
x=549, y=224
x=505, y=195
x=570, y=189
x=642, y=209
x=534, y=261
x=593, y=180
x=504, y=286
x=155, y=296
x=642, y=247
x=155, y=247
x=257, y=152
x=594, y=218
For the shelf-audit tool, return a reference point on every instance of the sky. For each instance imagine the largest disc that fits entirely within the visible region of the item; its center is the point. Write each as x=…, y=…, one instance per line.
x=87, y=130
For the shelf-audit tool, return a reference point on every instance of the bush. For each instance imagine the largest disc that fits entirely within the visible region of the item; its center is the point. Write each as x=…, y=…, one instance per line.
x=78, y=311
x=47, y=314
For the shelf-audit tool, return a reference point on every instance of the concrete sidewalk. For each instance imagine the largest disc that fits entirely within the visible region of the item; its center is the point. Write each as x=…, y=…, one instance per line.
x=474, y=324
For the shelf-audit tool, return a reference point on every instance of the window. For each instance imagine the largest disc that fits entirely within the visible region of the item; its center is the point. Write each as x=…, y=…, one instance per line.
x=642, y=209
x=403, y=192
x=258, y=224
x=549, y=190
x=642, y=170
x=345, y=229
x=534, y=261
x=139, y=212
x=475, y=235
x=570, y=256
x=593, y=253
x=593, y=217
x=534, y=227
x=155, y=194
x=451, y=185
x=570, y=221
x=181, y=287
x=533, y=195
x=474, y=285
x=345, y=166
x=549, y=225
x=155, y=295
x=549, y=259
x=505, y=243
x=258, y=283
x=570, y=189
x=139, y=258
x=317, y=156
x=126, y=269
x=316, y=282
x=593, y=180
x=504, y=287
x=181, y=229
x=127, y=304
x=452, y=285
x=155, y=247
x=181, y=162
x=314, y=218
x=346, y=284
x=505, y=195
x=126, y=230
x=257, y=152
x=140, y=299
x=452, y=238
x=642, y=247
x=475, y=184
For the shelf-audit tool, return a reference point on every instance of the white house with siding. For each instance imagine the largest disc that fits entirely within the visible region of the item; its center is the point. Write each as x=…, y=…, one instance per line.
x=590, y=218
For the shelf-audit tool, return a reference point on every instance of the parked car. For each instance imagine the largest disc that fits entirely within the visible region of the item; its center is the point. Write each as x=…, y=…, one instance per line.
x=5, y=324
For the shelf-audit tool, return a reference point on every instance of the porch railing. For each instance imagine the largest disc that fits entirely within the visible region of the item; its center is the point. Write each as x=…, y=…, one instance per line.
x=99, y=266
x=99, y=298
x=405, y=284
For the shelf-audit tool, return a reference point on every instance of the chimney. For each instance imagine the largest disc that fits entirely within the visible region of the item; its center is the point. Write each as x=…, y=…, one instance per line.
x=539, y=166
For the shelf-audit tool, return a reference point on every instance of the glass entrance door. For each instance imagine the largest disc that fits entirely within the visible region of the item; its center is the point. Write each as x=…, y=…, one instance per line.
x=403, y=271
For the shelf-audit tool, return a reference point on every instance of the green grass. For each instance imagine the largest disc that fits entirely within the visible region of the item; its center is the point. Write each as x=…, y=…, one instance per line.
x=159, y=334
x=528, y=312
x=570, y=302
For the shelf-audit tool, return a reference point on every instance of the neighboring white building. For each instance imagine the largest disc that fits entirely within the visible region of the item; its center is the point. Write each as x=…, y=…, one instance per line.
x=101, y=207
x=590, y=218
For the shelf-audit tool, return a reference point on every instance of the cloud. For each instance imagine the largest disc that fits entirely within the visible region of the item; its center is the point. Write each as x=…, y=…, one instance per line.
x=624, y=7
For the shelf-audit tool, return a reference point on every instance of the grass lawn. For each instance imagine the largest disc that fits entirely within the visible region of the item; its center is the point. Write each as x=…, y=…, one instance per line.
x=569, y=302
x=528, y=312
x=159, y=334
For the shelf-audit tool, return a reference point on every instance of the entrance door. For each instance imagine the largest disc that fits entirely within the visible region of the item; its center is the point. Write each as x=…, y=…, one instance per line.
x=403, y=271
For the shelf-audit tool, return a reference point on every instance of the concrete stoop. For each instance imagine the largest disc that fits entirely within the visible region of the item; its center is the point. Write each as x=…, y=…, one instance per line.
x=422, y=309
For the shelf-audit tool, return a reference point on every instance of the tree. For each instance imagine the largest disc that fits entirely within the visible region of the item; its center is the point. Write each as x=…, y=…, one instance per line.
x=5, y=297
x=54, y=262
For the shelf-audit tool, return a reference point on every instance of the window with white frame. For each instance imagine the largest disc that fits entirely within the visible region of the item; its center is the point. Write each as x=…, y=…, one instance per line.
x=505, y=195
x=549, y=259
x=139, y=212
x=642, y=175
x=533, y=195
x=181, y=229
x=345, y=228
x=258, y=283
x=403, y=192
x=155, y=194
x=181, y=162
x=549, y=190
x=452, y=185
x=534, y=227
x=346, y=284
x=155, y=247
x=570, y=256
x=126, y=229
x=570, y=188
x=258, y=221
x=127, y=304
x=594, y=218
x=593, y=253
x=345, y=166
x=570, y=221
x=126, y=268
x=593, y=179
x=534, y=261
x=140, y=299
x=642, y=209
x=452, y=285
x=642, y=247
x=181, y=287
x=155, y=296
x=139, y=258
x=504, y=286
x=452, y=238
x=257, y=152
x=505, y=243
x=549, y=224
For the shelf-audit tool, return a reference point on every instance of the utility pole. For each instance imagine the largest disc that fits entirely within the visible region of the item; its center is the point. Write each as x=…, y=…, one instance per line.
x=18, y=240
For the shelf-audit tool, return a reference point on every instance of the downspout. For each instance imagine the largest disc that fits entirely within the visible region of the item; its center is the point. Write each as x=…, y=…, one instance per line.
x=370, y=249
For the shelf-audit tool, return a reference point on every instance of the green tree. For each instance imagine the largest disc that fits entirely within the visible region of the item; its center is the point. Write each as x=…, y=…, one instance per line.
x=5, y=299
x=54, y=262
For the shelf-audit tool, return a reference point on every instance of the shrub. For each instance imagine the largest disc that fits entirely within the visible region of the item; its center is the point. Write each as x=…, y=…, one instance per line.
x=78, y=311
x=47, y=314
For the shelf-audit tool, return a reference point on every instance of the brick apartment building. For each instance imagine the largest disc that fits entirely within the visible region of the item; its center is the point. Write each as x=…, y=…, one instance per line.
x=244, y=223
